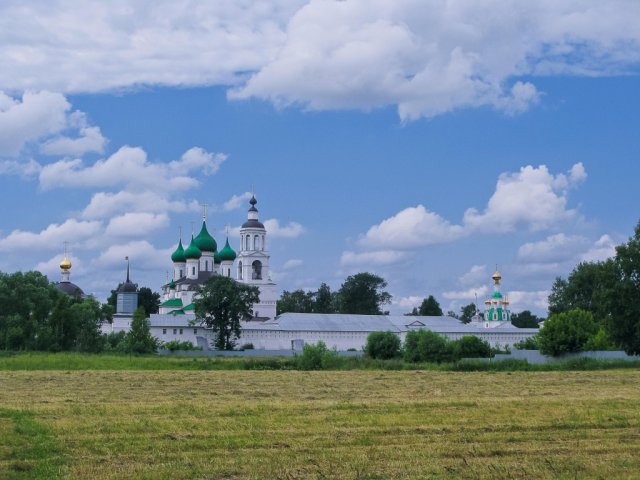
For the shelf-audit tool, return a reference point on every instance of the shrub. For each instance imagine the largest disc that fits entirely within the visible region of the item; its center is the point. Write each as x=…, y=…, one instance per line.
x=567, y=332
x=114, y=341
x=247, y=346
x=427, y=346
x=316, y=357
x=470, y=346
x=174, y=345
x=530, y=343
x=383, y=345
x=600, y=341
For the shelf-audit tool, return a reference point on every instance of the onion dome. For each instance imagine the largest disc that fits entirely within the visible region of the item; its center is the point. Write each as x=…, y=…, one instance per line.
x=178, y=255
x=216, y=259
x=65, y=264
x=227, y=254
x=204, y=241
x=496, y=278
x=252, y=217
x=192, y=251
x=172, y=285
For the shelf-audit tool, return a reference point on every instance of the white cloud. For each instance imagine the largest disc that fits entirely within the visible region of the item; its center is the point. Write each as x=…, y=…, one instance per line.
x=410, y=228
x=532, y=197
x=293, y=263
x=367, y=259
x=407, y=303
x=426, y=57
x=468, y=294
x=142, y=254
x=24, y=169
x=105, y=204
x=475, y=275
x=51, y=267
x=603, y=249
x=236, y=201
x=34, y=116
x=528, y=300
x=90, y=140
x=275, y=230
x=554, y=248
x=138, y=224
x=52, y=237
x=130, y=168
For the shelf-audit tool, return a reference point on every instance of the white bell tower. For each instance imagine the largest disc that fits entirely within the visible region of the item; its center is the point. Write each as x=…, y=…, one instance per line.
x=253, y=263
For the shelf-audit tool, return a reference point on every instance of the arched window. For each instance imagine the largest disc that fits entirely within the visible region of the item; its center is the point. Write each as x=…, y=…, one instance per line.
x=206, y=265
x=256, y=242
x=239, y=270
x=247, y=239
x=256, y=270
x=263, y=243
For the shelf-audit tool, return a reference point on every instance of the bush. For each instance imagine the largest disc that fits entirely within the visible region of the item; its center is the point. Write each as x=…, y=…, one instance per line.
x=567, y=332
x=114, y=341
x=470, y=347
x=427, y=346
x=599, y=342
x=174, y=345
x=316, y=357
x=247, y=346
x=530, y=343
x=383, y=345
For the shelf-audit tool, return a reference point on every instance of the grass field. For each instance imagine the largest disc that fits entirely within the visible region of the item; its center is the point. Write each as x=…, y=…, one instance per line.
x=98, y=424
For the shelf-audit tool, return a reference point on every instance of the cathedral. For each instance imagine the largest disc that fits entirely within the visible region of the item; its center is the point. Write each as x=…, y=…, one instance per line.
x=194, y=265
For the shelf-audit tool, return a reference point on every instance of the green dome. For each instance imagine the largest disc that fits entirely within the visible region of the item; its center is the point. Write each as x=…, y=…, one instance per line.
x=216, y=259
x=178, y=255
x=204, y=241
x=172, y=285
x=192, y=251
x=227, y=254
x=496, y=295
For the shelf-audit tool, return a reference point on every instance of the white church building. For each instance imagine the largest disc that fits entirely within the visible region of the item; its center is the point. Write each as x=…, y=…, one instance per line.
x=194, y=265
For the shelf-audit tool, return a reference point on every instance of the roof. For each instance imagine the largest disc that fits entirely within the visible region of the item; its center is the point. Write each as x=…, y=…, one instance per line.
x=204, y=241
x=70, y=289
x=192, y=251
x=178, y=255
x=252, y=223
x=227, y=254
x=172, y=302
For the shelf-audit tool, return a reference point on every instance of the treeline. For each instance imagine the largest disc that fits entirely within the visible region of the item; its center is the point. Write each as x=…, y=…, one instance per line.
x=36, y=316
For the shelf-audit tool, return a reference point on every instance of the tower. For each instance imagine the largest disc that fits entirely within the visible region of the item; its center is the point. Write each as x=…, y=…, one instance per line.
x=207, y=245
x=253, y=263
x=497, y=306
x=127, y=296
x=65, y=285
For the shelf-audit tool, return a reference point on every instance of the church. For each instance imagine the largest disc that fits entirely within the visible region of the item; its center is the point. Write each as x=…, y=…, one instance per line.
x=201, y=259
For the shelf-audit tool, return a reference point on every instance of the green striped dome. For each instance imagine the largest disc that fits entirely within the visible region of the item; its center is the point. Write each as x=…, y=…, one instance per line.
x=227, y=254
x=204, y=241
x=178, y=255
x=192, y=251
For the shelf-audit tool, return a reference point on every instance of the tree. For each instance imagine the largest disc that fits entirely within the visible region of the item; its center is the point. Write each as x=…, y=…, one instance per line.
x=624, y=322
x=430, y=307
x=139, y=338
x=221, y=304
x=363, y=294
x=427, y=346
x=383, y=345
x=471, y=346
x=567, y=332
x=467, y=312
x=297, y=301
x=325, y=300
x=525, y=319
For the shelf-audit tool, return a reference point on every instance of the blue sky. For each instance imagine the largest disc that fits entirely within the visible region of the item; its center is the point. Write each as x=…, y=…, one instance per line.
x=422, y=141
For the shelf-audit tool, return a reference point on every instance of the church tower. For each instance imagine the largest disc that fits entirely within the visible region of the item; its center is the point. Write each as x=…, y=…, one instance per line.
x=253, y=263
x=127, y=297
x=497, y=306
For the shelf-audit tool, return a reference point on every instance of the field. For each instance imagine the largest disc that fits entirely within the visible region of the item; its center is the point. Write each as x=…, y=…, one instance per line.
x=99, y=424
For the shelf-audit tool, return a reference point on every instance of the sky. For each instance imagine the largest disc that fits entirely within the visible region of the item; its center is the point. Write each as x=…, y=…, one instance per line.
x=428, y=142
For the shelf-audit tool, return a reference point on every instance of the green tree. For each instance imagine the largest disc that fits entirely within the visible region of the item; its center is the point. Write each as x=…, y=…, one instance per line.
x=427, y=346
x=383, y=345
x=297, y=301
x=363, y=294
x=325, y=300
x=221, y=304
x=471, y=346
x=525, y=319
x=624, y=300
x=139, y=338
x=430, y=307
x=567, y=332
x=467, y=312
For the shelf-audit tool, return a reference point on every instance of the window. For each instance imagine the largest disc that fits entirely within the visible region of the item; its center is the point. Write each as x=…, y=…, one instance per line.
x=193, y=270
x=180, y=331
x=195, y=331
x=256, y=267
x=206, y=265
x=247, y=239
x=239, y=270
x=175, y=330
x=256, y=242
x=164, y=331
x=180, y=273
x=263, y=243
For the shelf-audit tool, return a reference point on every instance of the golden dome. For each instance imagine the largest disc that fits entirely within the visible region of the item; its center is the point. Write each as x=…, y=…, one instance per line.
x=65, y=264
x=496, y=277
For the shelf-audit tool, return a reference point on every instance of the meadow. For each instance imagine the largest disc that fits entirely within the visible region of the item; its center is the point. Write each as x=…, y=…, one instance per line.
x=361, y=424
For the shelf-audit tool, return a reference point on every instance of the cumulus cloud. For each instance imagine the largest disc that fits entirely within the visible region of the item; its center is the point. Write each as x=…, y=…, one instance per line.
x=426, y=58
x=475, y=275
x=468, y=294
x=410, y=228
x=528, y=300
x=407, y=303
x=532, y=198
x=141, y=253
x=24, y=169
x=555, y=248
x=105, y=204
x=292, y=263
x=138, y=224
x=603, y=249
x=130, y=168
x=290, y=230
x=236, y=201
x=90, y=140
x=52, y=237
x=367, y=259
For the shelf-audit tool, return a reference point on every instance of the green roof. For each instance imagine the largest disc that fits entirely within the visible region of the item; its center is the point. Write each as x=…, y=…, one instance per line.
x=496, y=295
x=178, y=255
x=204, y=241
x=192, y=251
x=172, y=284
x=172, y=302
x=227, y=253
x=216, y=258
x=191, y=306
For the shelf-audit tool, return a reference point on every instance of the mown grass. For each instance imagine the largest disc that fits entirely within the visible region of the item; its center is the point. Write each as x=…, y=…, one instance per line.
x=184, y=424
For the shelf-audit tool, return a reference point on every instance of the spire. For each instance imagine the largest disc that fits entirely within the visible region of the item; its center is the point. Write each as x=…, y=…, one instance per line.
x=127, y=259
